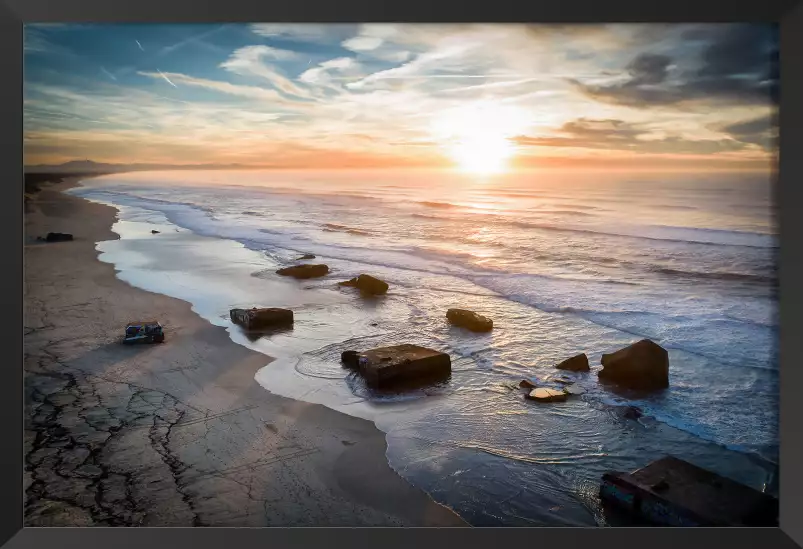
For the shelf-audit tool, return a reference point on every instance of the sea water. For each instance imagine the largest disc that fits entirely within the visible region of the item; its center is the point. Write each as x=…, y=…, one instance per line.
x=562, y=262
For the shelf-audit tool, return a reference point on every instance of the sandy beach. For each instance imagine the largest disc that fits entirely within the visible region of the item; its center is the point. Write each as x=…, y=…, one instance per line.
x=178, y=434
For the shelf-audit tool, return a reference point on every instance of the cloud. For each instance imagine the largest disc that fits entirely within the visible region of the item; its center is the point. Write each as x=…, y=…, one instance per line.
x=251, y=92
x=37, y=42
x=617, y=135
x=143, y=125
x=320, y=74
x=761, y=131
x=198, y=39
x=649, y=69
x=250, y=61
x=737, y=65
x=492, y=85
x=139, y=45
x=249, y=54
x=362, y=43
x=420, y=66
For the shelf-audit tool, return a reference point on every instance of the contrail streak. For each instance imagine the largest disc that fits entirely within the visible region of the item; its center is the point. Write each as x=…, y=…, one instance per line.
x=166, y=78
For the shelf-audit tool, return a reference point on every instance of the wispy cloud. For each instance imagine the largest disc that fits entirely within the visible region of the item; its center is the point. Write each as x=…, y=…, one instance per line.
x=139, y=45
x=435, y=59
x=252, y=61
x=303, y=32
x=362, y=43
x=616, y=135
x=378, y=41
x=198, y=38
x=492, y=85
x=251, y=92
x=37, y=42
x=321, y=73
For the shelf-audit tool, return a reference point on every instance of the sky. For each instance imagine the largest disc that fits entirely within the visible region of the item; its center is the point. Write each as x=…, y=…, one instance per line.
x=473, y=96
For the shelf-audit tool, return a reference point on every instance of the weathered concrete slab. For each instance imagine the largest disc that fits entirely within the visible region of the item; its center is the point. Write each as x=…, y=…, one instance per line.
x=304, y=271
x=387, y=366
x=258, y=319
x=469, y=320
x=673, y=492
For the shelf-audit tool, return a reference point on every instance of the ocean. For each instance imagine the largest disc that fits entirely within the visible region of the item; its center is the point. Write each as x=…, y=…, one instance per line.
x=563, y=262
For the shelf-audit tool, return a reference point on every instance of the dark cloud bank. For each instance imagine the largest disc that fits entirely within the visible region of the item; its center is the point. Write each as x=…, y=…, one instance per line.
x=738, y=64
x=623, y=136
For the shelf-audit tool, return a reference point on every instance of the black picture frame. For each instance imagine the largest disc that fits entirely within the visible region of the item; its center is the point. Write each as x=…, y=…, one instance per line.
x=788, y=13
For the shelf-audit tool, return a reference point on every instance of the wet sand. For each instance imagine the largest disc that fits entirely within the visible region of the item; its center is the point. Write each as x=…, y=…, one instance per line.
x=177, y=434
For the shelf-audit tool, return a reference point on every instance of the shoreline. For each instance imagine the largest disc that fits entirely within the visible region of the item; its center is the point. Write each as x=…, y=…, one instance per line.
x=178, y=434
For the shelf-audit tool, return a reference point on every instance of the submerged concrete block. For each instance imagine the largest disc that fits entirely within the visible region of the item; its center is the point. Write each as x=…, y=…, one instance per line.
x=386, y=366
x=257, y=319
x=304, y=271
x=673, y=492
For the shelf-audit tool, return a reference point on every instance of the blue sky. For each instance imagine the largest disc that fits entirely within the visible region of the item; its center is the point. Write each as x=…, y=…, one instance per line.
x=397, y=94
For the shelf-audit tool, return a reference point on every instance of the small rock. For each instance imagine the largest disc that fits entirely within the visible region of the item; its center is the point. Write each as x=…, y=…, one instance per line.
x=527, y=384
x=577, y=363
x=154, y=231
x=632, y=412
x=547, y=395
x=58, y=237
x=574, y=390
x=469, y=320
x=305, y=257
x=350, y=359
x=367, y=284
x=304, y=271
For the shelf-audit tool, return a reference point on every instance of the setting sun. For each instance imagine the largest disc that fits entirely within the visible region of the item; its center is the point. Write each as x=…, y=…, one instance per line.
x=486, y=154
x=477, y=136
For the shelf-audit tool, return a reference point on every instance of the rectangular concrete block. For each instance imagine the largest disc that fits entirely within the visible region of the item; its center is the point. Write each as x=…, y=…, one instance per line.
x=673, y=492
x=385, y=366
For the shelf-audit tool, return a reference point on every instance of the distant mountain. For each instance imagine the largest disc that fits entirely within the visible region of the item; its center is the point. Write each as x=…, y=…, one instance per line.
x=88, y=166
